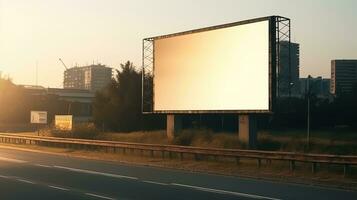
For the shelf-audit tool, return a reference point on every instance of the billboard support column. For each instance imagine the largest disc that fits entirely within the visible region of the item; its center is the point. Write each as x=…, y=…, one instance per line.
x=173, y=126
x=248, y=130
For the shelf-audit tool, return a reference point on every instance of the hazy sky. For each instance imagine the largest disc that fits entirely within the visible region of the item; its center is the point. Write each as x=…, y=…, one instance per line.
x=111, y=31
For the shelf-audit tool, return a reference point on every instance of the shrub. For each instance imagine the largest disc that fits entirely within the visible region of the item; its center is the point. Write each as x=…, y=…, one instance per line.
x=80, y=131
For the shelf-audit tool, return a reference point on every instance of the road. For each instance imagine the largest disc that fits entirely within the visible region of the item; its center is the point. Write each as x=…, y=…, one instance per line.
x=34, y=175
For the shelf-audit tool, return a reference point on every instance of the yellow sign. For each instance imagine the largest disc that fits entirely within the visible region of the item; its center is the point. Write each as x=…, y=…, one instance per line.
x=64, y=122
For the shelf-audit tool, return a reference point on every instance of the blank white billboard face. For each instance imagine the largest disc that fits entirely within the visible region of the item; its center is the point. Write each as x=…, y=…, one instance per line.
x=221, y=69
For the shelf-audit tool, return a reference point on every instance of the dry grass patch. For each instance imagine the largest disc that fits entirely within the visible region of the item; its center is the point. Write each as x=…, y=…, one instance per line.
x=150, y=137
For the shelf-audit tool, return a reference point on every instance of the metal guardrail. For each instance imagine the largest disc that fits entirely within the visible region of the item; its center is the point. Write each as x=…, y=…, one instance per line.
x=198, y=152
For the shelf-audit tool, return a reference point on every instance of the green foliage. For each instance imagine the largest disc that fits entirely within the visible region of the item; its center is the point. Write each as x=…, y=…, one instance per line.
x=118, y=106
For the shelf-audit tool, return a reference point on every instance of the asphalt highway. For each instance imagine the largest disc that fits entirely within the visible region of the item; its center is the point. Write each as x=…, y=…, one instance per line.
x=33, y=175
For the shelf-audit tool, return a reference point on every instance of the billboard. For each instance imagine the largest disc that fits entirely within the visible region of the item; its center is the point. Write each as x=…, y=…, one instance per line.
x=38, y=117
x=225, y=68
x=64, y=122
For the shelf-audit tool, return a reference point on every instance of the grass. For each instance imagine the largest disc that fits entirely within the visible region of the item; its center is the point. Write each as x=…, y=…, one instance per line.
x=151, y=137
x=80, y=130
x=190, y=137
x=338, y=141
x=207, y=138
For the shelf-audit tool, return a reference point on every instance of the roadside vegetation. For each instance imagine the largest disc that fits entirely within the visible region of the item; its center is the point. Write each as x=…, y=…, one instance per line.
x=80, y=131
x=117, y=116
x=338, y=141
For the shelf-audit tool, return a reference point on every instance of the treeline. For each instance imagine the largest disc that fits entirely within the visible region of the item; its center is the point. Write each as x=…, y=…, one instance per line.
x=118, y=107
x=324, y=113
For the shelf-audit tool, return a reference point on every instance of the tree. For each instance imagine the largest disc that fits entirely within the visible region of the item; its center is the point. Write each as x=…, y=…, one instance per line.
x=118, y=106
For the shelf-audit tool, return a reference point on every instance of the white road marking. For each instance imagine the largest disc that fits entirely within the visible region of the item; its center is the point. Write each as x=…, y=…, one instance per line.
x=95, y=172
x=154, y=182
x=59, y=188
x=12, y=160
x=2, y=176
x=25, y=181
x=224, y=192
x=46, y=166
x=99, y=196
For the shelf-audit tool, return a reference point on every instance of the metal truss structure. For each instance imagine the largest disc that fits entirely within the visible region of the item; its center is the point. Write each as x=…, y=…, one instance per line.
x=148, y=76
x=283, y=34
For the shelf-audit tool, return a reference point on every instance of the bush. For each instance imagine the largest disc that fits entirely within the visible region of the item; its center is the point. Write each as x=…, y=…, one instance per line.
x=149, y=137
x=190, y=136
x=80, y=131
x=207, y=138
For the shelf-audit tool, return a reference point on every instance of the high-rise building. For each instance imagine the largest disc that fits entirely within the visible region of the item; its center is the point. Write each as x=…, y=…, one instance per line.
x=343, y=76
x=288, y=77
x=92, y=77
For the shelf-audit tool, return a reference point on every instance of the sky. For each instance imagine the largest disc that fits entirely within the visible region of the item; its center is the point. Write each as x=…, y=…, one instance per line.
x=35, y=33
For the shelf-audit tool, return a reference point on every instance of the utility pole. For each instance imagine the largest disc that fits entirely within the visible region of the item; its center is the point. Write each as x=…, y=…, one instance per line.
x=308, y=111
x=36, y=73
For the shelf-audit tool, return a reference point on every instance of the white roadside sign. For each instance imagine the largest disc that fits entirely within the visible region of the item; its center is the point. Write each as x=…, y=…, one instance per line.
x=38, y=117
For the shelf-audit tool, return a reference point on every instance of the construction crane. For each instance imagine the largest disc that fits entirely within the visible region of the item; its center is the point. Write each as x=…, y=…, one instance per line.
x=70, y=103
x=63, y=63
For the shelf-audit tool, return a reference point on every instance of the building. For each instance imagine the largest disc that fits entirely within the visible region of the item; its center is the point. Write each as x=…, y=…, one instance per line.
x=72, y=95
x=343, y=76
x=288, y=78
x=92, y=77
x=77, y=102
x=318, y=86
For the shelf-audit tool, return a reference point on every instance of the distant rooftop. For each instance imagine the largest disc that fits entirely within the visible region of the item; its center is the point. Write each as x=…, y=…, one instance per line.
x=33, y=87
x=88, y=66
x=353, y=60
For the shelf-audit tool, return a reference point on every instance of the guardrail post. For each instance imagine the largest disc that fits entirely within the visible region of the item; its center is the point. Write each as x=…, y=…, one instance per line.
x=313, y=168
x=152, y=153
x=181, y=156
x=259, y=162
x=163, y=154
x=292, y=165
x=345, y=169
x=196, y=157
x=237, y=160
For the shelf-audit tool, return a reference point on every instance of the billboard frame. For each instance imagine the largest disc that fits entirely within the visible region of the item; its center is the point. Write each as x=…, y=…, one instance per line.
x=279, y=30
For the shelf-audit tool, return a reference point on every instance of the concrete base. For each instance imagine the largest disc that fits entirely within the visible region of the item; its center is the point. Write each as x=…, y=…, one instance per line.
x=248, y=131
x=173, y=126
